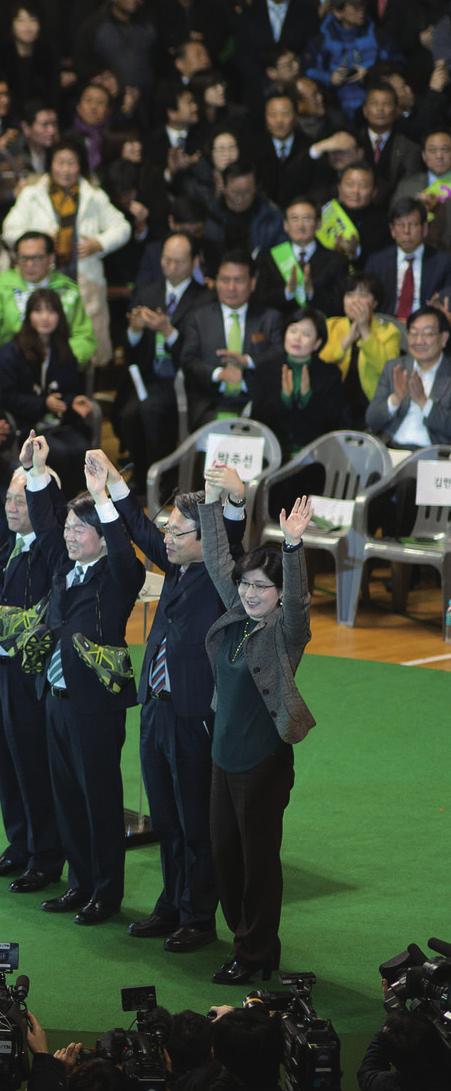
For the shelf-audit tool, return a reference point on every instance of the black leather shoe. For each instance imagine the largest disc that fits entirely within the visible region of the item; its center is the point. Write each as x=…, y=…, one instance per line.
x=189, y=939
x=95, y=912
x=71, y=899
x=32, y=880
x=151, y=926
x=235, y=972
x=8, y=866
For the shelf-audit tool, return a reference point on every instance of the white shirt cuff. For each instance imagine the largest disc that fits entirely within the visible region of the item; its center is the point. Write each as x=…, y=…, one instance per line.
x=216, y=375
x=232, y=512
x=118, y=490
x=391, y=406
x=37, y=484
x=107, y=512
x=134, y=336
x=172, y=338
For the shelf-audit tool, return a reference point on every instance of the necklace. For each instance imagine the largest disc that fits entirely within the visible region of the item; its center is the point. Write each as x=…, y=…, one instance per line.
x=240, y=646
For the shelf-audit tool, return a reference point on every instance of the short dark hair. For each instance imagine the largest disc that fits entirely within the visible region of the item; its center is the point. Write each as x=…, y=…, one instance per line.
x=97, y=1075
x=187, y=503
x=404, y=206
x=97, y=87
x=303, y=200
x=314, y=316
x=84, y=508
x=189, y=1041
x=237, y=256
x=370, y=282
x=33, y=107
x=77, y=147
x=264, y=557
x=358, y=164
x=31, y=236
x=240, y=169
x=439, y=130
x=381, y=85
x=281, y=92
x=187, y=210
x=249, y=1043
x=338, y=5
x=172, y=95
x=433, y=312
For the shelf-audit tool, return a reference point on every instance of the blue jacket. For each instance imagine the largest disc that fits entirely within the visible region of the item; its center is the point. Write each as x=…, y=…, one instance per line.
x=337, y=46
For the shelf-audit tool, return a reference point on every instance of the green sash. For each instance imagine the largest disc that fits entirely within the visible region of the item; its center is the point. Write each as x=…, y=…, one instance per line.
x=335, y=222
x=283, y=257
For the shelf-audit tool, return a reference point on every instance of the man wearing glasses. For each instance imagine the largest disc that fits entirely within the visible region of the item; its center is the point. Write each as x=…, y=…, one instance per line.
x=34, y=254
x=176, y=690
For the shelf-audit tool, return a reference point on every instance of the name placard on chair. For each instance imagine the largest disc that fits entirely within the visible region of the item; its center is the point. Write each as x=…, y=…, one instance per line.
x=434, y=482
x=242, y=453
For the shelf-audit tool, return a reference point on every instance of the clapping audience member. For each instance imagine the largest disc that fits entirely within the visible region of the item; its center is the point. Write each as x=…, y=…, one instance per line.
x=411, y=271
x=360, y=344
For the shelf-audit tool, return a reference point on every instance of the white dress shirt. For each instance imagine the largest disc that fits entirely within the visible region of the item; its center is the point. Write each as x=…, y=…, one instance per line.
x=413, y=429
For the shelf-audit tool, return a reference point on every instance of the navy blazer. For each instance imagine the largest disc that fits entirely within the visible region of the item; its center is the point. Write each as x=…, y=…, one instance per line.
x=99, y=607
x=27, y=579
x=187, y=608
x=435, y=275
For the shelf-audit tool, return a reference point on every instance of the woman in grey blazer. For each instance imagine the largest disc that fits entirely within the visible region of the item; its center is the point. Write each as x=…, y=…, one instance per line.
x=254, y=650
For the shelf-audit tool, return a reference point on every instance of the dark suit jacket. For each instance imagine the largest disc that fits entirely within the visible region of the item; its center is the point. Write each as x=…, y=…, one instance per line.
x=399, y=158
x=328, y=269
x=439, y=229
x=154, y=296
x=187, y=608
x=272, y=171
x=435, y=274
x=255, y=43
x=438, y=422
x=99, y=608
x=28, y=578
x=204, y=334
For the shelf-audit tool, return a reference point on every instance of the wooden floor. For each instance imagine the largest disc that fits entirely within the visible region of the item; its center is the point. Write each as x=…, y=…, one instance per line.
x=379, y=634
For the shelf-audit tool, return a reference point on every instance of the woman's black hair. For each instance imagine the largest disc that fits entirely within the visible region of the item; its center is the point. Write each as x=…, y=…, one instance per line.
x=371, y=283
x=27, y=339
x=77, y=147
x=315, y=317
x=267, y=559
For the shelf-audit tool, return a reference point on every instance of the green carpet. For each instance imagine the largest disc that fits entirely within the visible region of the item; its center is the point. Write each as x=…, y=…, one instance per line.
x=366, y=848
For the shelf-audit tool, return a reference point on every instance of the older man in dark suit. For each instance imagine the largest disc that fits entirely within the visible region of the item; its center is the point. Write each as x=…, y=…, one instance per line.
x=145, y=411
x=176, y=690
x=96, y=580
x=231, y=349
x=34, y=847
x=411, y=272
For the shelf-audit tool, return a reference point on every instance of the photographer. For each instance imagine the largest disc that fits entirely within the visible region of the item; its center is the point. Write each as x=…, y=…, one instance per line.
x=248, y=1042
x=48, y=1073
x=406, y=1055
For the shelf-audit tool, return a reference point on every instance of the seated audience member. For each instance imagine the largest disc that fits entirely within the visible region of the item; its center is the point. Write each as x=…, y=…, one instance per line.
x=39, y=125
x=418, y=113
x=300, y=269
x=35, y=268
x=284, y=68
x=26, y=58
x=392, y=155
x=145, y=412
x=360, y=344
x=315, y=172
x=365, y=224
x=432, y=186
x=316, y=118
x=412, y=403
x=411, y=271
x=85, y=227
x=231, y=348
x=278, y=144
x=242, y=216
x=170, y=145
x=262, y=28
x=311, y=400
x=215, y=107
x=40, y=384
x=345, y=49
x=186, y=214
x=204, y=180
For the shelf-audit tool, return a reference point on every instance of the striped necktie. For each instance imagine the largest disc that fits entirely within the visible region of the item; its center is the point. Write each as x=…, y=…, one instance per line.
x=158, y=669
x=20, y=542
x=55, y=673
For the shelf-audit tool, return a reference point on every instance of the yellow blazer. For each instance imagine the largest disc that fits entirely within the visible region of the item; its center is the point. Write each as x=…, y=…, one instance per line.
x=383, y=344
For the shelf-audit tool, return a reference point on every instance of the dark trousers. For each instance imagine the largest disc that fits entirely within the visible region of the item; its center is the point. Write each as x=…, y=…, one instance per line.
x=25, y=790
x=149, y=429
x=246, y=834
x=176, y=766
x=84, y=758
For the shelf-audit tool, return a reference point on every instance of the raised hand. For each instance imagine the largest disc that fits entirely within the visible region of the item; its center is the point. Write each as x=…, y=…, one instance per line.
x=223, y=479
x=400, y=382
x=40, y=455
x=293, y=525
x=26, y=452
x=98, y=459
x=96, y=478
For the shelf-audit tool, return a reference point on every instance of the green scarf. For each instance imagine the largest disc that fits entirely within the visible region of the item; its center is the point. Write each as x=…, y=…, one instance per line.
x=296, y=398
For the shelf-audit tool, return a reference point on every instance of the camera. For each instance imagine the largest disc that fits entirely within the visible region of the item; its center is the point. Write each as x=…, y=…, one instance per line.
x=14, y=1066
x=311, y=1047
x=420, y=983
x=140, y=1052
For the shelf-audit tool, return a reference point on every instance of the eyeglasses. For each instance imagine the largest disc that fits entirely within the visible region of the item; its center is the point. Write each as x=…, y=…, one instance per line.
x=169, y=532
x=423, y=335
x=244, y=585
x=32, y=259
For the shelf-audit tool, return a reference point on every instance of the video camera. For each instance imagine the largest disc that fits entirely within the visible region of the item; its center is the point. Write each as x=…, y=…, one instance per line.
x=421, y=984
x=14, y=1066
x=311, y=1047
x=139, y=1053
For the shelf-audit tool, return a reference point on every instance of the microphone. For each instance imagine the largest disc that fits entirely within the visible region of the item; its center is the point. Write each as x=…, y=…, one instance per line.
x=440, y=946
x=22, y=987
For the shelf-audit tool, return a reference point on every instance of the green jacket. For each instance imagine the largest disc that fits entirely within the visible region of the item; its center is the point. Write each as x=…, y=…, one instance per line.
x=14, y=295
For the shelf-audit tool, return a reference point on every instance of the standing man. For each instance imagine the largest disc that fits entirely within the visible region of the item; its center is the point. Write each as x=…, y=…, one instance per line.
x=176, y=690
x=34, y=846
x=96, y=580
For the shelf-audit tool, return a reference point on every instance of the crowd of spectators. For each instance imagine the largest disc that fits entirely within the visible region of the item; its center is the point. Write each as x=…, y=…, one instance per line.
x=193, y=174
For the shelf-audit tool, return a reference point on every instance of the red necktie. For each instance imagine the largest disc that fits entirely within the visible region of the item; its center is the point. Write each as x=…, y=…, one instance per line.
x=381, y=6
x=377, y=150
x=405, y=301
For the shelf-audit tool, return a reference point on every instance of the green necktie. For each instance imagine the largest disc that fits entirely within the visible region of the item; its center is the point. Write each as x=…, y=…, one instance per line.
x=235, y=344
x=20, y=542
